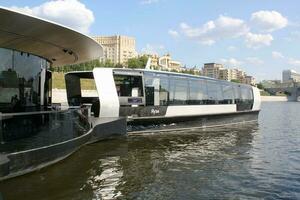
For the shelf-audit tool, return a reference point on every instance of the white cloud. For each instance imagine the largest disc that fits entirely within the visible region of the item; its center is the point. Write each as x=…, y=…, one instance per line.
x=221, y=28
x=231, y=48
x=231, y=62
x=148, y=1
x=173, y=33
x=71, y=13
x=294, y=62
x=268, y=20
x=153, y=49
x=277, y=55
x=258, y=40
x=254, y=61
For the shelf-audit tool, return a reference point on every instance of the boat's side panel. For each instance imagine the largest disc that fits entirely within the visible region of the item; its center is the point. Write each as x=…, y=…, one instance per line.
x=257, y=99
x=108, y=97
x=190, y=110
x=187, y=122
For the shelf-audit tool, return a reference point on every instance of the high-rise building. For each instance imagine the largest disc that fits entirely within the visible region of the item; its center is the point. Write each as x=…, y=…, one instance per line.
x=225, y=74
x=117, y=49
x=290, y=76
x=212, y=70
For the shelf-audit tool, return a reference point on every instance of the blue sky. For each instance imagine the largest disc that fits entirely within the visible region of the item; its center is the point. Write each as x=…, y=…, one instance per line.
x=261, y=37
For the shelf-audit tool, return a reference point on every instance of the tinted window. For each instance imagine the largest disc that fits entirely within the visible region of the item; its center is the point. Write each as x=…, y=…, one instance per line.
x=126, y=84
x=156, y=89
x=163, y=90
x=244, y=98
x=21, y=77
x=215, y=94
x=198, y=92
x=178, y=91
x=228, y=93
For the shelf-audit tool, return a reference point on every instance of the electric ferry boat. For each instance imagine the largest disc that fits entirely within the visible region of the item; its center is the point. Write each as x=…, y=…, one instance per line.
x=159, y=100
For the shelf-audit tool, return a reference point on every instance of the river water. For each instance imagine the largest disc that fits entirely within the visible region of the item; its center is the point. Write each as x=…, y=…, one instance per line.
x=258, y=160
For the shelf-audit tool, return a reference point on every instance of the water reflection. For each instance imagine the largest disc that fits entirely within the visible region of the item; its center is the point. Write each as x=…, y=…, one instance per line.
x=105, y=180
x=173, y=165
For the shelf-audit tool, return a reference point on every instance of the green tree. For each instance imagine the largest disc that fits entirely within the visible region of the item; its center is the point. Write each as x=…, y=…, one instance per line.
x=235, y=81
x=260, y=86
x=139, y=62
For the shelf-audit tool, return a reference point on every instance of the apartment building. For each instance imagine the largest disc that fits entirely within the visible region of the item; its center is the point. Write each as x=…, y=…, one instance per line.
x=290, y=76
x=212, y=70
x=118, y=48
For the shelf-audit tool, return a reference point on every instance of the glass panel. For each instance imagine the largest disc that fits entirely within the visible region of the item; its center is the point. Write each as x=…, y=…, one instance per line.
x=228, y=94
x=178, y=91
x=163, y=90
x=150, y=88
x=198, y=92
x=245, y=101
x=215, y=93
x=126, y=84
x=21, y=77
x=6, y=60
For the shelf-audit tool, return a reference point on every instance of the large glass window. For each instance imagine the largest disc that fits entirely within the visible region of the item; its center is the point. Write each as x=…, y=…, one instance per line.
x=198, y=92
x=126, y=85
x=243, y=97
x=163, y=90
x=215, y=93
x=178, y=91
x=21, y=77
x=228, y=93
x=156, y=89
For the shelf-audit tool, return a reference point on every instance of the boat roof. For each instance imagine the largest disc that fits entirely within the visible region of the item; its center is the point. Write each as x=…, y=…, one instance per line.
x=58, y=44
x=87, y=74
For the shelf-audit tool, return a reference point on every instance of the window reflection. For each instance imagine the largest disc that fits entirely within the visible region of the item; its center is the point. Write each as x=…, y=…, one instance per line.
x=168, y=89
x=21, y=77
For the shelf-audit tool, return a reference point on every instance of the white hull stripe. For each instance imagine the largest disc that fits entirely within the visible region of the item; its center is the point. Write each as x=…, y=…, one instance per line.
x=176, y=111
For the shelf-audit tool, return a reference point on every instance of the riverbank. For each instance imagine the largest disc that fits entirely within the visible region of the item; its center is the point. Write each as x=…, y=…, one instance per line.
x=274, y=98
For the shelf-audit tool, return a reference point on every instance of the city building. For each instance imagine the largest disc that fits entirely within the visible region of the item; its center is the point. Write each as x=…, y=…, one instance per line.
x=217, y=71
x=212, y=70
x=166, y=62
x=250, y=80
x=240, y=75
x=290, y=76
x=225, y=74
x=118, y=49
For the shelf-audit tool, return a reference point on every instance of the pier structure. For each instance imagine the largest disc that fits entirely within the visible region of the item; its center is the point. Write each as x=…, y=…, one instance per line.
x=33, y=132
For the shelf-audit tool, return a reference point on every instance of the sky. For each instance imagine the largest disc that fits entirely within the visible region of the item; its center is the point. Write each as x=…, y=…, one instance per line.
x=261, y=37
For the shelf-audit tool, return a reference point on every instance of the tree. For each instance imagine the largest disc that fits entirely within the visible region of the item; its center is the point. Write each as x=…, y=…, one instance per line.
x=235, y=81
x=139, y=62
x=260, y=86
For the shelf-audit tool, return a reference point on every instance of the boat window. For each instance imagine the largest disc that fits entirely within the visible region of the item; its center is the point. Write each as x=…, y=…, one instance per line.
x=127, y=85
x=151, y=87
x=178, y=91
x=228, y=93
x=21, y=78
x=198, y=92
x=88, y=87
x=163, y=90
x=156, y=89
x=246, y=97
x=215, y=94
x=243, y=97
